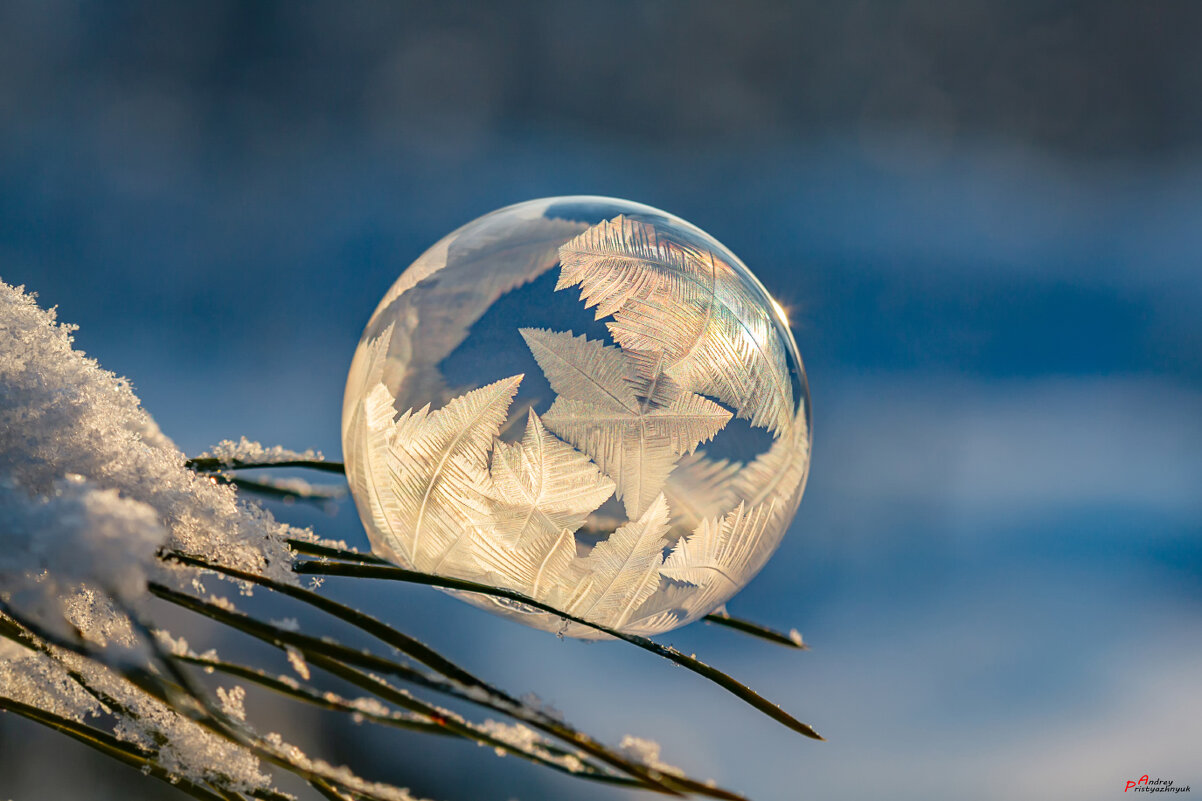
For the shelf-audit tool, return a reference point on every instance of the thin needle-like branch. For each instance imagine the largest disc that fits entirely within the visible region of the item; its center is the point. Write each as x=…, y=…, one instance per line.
x=185, y=699
x=462, y=684
x=309, y=695
x=422, y=723
x=791, y=640
x=279, y=491
x=337, y=658
x=210, y=464
x=739, y=690
x=758, y=630
x=307, y=548
x=404, y=643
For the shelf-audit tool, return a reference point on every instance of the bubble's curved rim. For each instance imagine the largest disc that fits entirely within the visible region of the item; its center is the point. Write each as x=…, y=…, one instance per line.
x=606, y=207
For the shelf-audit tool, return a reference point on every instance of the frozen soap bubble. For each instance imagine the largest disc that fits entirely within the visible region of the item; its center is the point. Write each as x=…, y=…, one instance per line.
x=585, y=400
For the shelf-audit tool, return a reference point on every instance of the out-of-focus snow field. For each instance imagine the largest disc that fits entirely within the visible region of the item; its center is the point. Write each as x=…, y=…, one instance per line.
x=998, y=562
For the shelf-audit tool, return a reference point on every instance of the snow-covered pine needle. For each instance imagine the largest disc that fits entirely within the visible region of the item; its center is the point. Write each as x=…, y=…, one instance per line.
x=247, y=454
x=368, y=709
x=364, y=668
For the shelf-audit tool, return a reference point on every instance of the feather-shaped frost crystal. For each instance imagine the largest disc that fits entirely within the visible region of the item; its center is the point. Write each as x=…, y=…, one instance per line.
x=543, y=484
x=624, y=571
x=436, y=465
x=634, y=426
x=649, y=461
x=690, y=308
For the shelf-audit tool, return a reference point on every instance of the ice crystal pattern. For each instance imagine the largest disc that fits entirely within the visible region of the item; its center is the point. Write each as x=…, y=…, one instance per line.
x=686, y=313
x=694, y=348
x=634, y=426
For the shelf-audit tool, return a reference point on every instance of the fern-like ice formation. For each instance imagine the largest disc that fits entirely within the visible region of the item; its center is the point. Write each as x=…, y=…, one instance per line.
x=702, y=488
x=720, y=555
x=542, y=490
x=365, y=437
x=634, y=427
x=436, y=464
x=687, y=313
x=668, y=608
x=543, y=483
x=456, y=499
x=623, y=571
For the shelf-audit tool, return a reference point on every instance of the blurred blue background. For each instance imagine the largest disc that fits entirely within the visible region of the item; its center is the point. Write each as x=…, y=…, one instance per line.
x=985, y=220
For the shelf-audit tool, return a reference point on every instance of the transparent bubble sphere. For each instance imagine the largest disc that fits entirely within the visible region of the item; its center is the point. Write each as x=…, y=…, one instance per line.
x=585, y=400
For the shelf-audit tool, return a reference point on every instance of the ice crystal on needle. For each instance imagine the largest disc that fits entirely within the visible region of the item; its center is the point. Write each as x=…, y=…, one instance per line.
x=244, y=450
x=647, y=753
